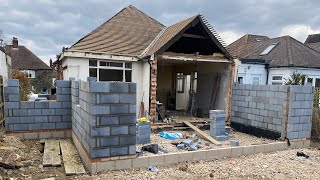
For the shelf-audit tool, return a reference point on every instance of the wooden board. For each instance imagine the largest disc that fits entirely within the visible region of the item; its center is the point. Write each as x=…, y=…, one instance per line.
x=203, y=134
x=71, y=159
x=51, y=155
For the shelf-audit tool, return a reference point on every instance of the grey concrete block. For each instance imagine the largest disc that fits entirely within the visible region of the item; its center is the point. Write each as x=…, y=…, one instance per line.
x=283, y=88
x=295, y=105
x=100, y=131
x=127, y=140
x=99, y=87
x=62, y=111
x=54, y=119
x=91, y=79
x=128, y=98
x=34, y=112
x=119, y=130
x=133, y=109
x=26, y=105
x=253, y=93
x=54, y=105
x=63, y=83
x=131, y=119
x=63, y=98
x=47, y=112
x=40, y=119
x=66, y=118
x=305, y=119
x=63, y=125
x=20, y=127
x=132, y=149
x=308, y=112
x=109, y=141
x=41, y=104
x=20, y=112
x=119, y=151
x=13, y=82
x=108, y=98
x=309, y=97
x=119, y=87
x=119, y=109
x=294, y=120
x=27, y=119
x=306, y=127
x=263, y=112
x=132, y=87
x=63, y=91
x=133, y=130
x=11, y=105
x=109, y=120
x=99, y=110
x=12, y=120
x=11, y=90
x=304, y=134
x=260, y=105
x=293, y=135
x=14, y=97
x=100, y=153
x=66, y=105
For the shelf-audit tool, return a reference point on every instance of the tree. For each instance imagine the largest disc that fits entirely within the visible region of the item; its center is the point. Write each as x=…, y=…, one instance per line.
x=25, y=86
x=296, y=79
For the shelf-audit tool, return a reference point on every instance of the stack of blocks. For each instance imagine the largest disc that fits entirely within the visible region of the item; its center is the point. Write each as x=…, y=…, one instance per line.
x=144, y=131
x=218, y=125
x=104, y=117
x=39, y=115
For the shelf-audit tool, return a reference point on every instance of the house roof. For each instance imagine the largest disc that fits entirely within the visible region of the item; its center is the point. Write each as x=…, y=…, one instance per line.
x=313, y=41
x=2, y=49
x=129, y=32
x=22, y=58
x=244, y=45
x=287, y=52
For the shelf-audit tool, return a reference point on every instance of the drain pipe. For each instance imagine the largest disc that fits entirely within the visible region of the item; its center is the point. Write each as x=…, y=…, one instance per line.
x=267, y=63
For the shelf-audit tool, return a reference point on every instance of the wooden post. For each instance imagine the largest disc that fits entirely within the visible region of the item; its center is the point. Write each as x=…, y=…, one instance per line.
x=232, y=70
x=153, y=85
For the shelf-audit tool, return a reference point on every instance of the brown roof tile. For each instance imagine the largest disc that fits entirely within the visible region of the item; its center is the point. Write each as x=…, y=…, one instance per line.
x=23, y=59
x=129, y=32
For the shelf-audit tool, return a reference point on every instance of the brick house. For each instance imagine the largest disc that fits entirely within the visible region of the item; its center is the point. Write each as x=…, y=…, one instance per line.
x=169, y=64
x=23, y=59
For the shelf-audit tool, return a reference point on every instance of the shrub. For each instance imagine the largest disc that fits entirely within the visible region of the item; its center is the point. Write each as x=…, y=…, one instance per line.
x=296, y=79
x=25, y=86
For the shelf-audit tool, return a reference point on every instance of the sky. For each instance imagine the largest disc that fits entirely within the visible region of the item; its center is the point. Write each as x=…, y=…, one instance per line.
x=45, y=26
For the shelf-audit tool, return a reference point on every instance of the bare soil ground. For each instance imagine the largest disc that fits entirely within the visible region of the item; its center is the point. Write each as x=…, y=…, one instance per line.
x=168, y=147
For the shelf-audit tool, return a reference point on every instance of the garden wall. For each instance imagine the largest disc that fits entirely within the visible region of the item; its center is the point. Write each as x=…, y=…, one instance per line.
x=273, y=110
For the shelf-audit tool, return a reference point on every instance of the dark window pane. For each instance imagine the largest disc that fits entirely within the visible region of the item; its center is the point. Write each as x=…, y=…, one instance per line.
x=129, y=65
x=110, y=75
x=93, y=72
x=276, y=77
x=128, y=76
x=93, y=63
x=112, y=64
x=103, y=63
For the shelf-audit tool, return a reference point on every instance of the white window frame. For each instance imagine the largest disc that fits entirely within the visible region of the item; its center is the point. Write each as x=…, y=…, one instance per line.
x=256, y=76
x=277, y=82
x=30, y=73
x=123, y=68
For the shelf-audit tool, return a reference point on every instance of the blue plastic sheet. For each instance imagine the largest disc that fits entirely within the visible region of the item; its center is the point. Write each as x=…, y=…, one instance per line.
x=170, y=135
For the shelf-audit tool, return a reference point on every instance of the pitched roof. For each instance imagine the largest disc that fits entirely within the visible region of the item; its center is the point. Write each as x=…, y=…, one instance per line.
x=129, y=32
x=312, y=38
x=315, y=46
x=23, y=59
x=287, y=52
x=244, y=45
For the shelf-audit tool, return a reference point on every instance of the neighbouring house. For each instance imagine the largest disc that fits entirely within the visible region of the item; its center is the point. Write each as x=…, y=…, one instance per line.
x=313, y=41
x=264, y=60
x=23, y=59
x=5, y=64
x=183, y=66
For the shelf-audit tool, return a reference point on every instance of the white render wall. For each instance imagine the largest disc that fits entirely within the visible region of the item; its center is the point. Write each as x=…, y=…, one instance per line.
x=249, y=71
x=5, y=64
x=286, y=73
x=76, y=67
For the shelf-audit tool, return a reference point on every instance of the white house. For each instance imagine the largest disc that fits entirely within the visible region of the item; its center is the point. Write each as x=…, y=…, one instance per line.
x=5, y=64
x=262, y=60
x=167, y=63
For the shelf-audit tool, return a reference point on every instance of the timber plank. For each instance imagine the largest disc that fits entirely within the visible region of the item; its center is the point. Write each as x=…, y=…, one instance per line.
x=71, y=159
x=51, y=155
x=203, y=134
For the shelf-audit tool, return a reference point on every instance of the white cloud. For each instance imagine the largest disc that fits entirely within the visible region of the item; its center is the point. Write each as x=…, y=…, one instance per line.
x=298, y=31
x=230, y=36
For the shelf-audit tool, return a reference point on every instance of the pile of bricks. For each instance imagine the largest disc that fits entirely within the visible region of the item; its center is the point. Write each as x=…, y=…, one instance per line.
x=39, y=115
x=218, y=125
x=143, y=133
x=105, y=118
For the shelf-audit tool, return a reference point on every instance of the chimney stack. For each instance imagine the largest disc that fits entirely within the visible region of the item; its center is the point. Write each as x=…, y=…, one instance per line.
x=15, y=42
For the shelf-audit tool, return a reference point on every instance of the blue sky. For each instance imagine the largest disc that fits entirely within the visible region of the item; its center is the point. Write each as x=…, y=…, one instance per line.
x=45, y=26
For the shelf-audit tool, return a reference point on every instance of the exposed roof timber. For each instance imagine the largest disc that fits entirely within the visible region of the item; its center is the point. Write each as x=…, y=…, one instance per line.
x=194, y=36
x=193, y=59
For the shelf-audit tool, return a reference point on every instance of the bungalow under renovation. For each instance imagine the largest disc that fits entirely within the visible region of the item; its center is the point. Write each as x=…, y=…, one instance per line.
x=183, y=67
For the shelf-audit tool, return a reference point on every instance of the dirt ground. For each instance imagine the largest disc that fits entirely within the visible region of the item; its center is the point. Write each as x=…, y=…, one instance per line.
x=167, y=146
x=26, y=160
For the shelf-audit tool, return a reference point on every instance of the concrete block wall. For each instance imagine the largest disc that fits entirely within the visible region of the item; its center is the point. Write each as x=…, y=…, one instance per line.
x=104, y=117
x=218, y=125
x=37, y=115
x=278, y=108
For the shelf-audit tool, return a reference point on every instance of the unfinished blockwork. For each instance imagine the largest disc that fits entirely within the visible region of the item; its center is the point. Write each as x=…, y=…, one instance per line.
x=218, y=125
